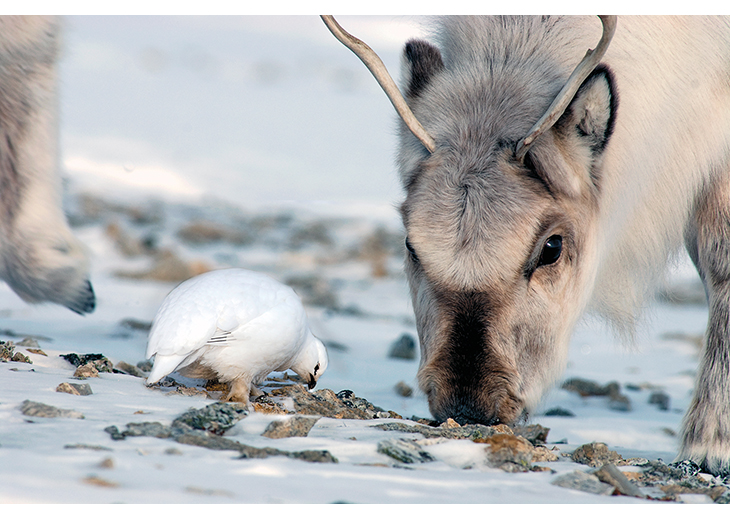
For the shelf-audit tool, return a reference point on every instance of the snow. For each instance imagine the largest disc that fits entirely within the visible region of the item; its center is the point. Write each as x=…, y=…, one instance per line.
x=271, y=115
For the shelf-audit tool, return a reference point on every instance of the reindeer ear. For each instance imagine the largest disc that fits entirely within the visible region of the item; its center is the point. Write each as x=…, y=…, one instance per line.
x=591, y=114
x=421, y=61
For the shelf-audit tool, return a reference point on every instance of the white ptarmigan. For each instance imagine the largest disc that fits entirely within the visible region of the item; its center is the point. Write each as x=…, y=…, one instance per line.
x=235, y=325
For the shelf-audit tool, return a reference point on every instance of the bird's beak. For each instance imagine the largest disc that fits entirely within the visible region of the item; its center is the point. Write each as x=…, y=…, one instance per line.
x=311, y=382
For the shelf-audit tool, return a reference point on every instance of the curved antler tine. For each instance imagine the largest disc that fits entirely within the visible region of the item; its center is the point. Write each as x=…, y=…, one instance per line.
x=565, y=96
x=378, y=70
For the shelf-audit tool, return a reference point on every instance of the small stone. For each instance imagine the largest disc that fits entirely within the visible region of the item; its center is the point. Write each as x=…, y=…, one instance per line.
x=153, y=429
x=74, y=389
x=172, y=451
x=403, y=348
x=129, y=369
x=509, y=449
x=313, y=456
x=86, y=446
x=542, y=454
x=86, y=371
x=295, y=426
x=450, y=423
x=99, y=482
x=28, y=343
x=619, y=402
x=36, y=351
x=585, y=387
x=113, y=431
x=660, y=399
x=215, y=418
x=609, y=474
x=403, y=389
x=19, y=357
x=595, y=454
x=559, y=411
x=536, y=434
x=405, y=451
x=39, y=410
x=145, y=365
x=584, y=482
x=106, y=463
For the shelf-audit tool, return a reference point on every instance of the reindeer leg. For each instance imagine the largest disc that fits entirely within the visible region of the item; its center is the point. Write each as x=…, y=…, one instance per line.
x=706, y=428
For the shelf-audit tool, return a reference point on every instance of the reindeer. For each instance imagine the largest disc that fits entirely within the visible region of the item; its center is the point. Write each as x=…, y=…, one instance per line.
x=534, y=194
x=40, y=258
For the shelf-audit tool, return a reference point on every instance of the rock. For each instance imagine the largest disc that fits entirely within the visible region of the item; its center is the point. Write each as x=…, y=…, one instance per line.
x=145, y=365
x=619, y=402
x=559, y=411
x=313, y=456
x=450, y=423
x=8, y=353
x=37, y=351
x=86, y=371
x=660, y=399
x=19, y=357
x=99, y=482
x=584, y=482
x=595, y=454
x=475, y=432
x=536, y=434
x=99, y=361
x=106, y=463
x=74, y=389
x=403, y=348
x=153, y=429
x=405, y=451
x=688, y=467
x=609, y=474
x=39, y=410
x=129, y=369
x=29, y=343
x=215, y=418
x=135, y=325
x=403, y=389
x=509, y=452
x=541, y=454
x=87, y=447
x=203, y=232
x=586, y=388
x=168, y=267
x=325, y=402
x=314, y=290
x=294, y=426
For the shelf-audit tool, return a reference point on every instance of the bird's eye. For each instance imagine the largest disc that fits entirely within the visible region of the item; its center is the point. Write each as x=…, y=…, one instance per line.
x=411, y=251
x=551, y=250
x=316, y=368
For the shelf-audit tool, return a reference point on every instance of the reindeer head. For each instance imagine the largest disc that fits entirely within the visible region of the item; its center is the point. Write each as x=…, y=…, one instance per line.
x=500, y=227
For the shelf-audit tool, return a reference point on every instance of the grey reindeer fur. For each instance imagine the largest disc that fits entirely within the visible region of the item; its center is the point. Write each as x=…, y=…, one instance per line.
x=39, y=257
x=637, y=166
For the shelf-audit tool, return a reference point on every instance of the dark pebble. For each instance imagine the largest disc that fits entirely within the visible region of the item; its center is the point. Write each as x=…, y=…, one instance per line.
x=403, y=348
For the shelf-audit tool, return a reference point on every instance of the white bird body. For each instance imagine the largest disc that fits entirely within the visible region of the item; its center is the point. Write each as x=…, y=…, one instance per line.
x=235, y=325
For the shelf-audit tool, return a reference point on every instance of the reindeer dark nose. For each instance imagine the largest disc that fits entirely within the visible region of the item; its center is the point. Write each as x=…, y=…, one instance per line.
x=464, y=411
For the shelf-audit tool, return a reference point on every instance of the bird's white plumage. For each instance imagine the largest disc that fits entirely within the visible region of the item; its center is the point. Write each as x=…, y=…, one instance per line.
x=240, y=324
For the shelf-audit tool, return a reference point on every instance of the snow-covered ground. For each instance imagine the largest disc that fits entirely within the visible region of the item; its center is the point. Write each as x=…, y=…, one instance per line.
x=242, y=119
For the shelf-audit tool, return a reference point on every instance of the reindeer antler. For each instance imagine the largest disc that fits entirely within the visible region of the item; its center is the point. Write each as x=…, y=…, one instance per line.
x=377, y=68
x=565, y=96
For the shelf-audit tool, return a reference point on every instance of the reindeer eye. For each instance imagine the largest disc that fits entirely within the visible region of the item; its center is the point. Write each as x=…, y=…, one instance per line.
x=551, y=250
x=411, y=251
x=316, y=368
